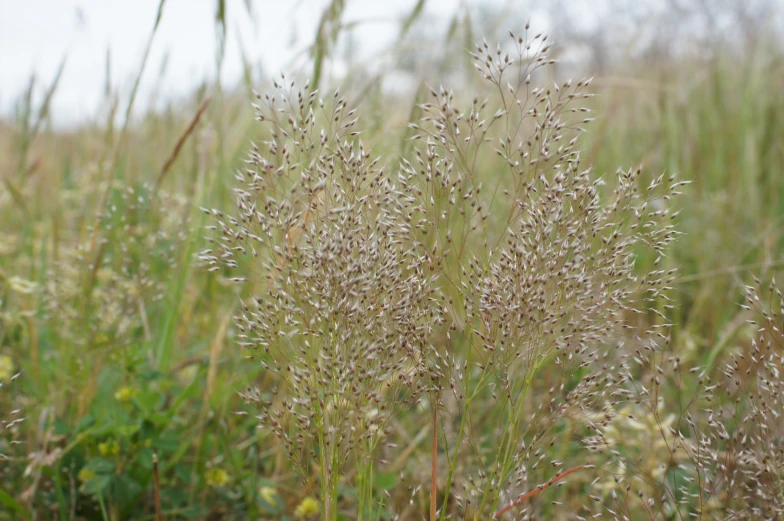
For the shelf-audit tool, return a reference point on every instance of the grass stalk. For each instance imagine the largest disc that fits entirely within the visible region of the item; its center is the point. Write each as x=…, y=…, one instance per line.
x=434, y=463
x=537, y=490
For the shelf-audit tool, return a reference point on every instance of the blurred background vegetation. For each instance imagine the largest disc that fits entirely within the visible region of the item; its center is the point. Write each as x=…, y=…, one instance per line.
x=123, y=345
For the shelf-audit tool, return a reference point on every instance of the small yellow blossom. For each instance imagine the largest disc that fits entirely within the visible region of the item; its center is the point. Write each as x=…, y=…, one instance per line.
x=307, y=507
x=268, y=494
x=126, y=394
x=216, y=477
x=109, y=448
x=6, y=368
x=85, y=474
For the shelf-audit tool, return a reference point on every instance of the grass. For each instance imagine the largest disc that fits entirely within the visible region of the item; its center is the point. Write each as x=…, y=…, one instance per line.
x=716, y=129
x=127, y=350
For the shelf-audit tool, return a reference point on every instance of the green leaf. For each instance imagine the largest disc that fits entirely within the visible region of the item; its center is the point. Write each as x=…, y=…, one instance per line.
x=96, y=485
x=193, y=512
x=167, y=443
x=191, y=389
x=385, y=480
x=100, y=465
x=13, y=504
x=103, y=429
x=61, y=427
x=411, y=18
x=125, y=431
x=176, y=497
x=184, y=473
x=84, y=423
x=126, y=490
x=144, y=457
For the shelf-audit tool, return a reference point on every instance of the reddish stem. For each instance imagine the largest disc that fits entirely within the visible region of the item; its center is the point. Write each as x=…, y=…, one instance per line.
x=535, y=491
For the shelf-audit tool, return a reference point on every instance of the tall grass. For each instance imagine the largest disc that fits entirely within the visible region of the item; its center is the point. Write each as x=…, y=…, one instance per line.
x=127, y=347
x=715, y=127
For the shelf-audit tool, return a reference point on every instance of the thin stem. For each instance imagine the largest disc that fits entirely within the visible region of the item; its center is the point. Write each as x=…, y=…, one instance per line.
x=156, y=488
x=532, y=493
x=104, y=514
x=434, y=464
x=453, y=463
x=461, y=432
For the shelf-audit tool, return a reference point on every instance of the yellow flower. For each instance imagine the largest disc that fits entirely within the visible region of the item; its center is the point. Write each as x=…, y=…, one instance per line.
x=126, y=394
x=268, y=494
x=6, y=368
x=307, y=507
x=85, y=474
x=216, y=477
x=109, y=448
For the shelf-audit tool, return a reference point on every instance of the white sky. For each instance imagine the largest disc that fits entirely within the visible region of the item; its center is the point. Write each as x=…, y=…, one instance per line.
x=35, y=35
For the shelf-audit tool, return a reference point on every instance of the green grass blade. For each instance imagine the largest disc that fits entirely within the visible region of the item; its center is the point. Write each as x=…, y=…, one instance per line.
x=13, y=504
x=411, y=18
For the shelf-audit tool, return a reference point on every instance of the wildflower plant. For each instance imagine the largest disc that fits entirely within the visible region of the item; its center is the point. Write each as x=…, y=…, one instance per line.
x=477, y=287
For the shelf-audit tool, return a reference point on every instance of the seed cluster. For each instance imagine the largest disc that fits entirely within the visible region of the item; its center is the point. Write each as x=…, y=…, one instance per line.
x=346, y=310
x=538, y=272
x=501, y=290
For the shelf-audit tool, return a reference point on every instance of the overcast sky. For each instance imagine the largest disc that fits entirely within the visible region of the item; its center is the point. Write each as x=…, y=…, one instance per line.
x=35, y=35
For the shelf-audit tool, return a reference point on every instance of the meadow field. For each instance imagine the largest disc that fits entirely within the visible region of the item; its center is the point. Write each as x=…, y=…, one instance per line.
x=523, y=298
